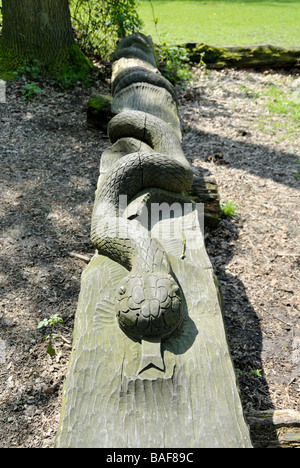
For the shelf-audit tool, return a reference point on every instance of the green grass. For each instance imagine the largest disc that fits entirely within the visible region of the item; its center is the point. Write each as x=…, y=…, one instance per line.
x=224, y=23
x=283, y=112
x=280, y=102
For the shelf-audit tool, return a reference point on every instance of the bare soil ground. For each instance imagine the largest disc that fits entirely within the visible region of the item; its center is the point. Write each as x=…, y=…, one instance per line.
x=49, y=170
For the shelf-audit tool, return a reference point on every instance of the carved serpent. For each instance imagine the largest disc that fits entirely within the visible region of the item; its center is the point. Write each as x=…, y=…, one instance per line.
x=149, y=300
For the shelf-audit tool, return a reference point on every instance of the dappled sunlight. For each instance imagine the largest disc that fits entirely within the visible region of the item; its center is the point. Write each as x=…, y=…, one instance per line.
x=64, y=220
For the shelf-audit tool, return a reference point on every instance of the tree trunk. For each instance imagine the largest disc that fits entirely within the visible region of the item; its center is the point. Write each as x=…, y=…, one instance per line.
x=38, y=30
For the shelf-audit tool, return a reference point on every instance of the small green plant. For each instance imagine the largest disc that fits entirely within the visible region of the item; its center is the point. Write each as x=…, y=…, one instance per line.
x=30, y=90
x=52, y=323
x=239, y=372
x=70, y=78
x=229, y=209
x=155, y=19
x=201, y=61
x=29, y=71
x=30, y=74
x=256, y=373
x=174, y=62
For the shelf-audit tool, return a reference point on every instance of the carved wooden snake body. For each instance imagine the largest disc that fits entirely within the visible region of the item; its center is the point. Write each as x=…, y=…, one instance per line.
x=148, y=300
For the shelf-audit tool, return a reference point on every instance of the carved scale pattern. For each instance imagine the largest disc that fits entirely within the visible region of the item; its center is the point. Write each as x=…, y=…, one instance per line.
x=154, y=313
x=194, y=401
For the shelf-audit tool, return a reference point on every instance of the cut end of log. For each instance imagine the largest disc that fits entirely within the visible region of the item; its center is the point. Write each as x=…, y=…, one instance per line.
x=275, y=428
x=205, y=190
x=259, y=56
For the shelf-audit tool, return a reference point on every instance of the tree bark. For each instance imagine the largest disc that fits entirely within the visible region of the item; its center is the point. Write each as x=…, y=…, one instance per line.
x=38, y=30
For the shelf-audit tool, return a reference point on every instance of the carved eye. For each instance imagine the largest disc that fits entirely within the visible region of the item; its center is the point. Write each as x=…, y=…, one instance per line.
x=122, y=290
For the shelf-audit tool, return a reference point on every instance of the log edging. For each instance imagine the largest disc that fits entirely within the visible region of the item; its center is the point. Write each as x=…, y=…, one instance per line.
x=250, y=56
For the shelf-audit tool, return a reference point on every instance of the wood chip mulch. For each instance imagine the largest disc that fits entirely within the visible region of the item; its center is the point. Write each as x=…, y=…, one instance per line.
x=49, y=170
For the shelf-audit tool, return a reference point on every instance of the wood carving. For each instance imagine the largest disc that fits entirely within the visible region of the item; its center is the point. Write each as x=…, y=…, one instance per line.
x=150, y=365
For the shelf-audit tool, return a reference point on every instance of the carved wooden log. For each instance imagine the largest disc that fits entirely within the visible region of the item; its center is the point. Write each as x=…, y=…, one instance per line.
x=141, y=75
x=150, y=99
x=137, y=47
x=150, y=365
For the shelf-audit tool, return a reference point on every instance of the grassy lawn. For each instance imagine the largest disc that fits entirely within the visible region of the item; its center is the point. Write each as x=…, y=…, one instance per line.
x=283, y=111
x=224, y=23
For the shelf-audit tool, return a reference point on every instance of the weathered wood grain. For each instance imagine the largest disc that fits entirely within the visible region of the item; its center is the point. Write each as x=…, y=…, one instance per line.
x=194, y=403
x=109, y=399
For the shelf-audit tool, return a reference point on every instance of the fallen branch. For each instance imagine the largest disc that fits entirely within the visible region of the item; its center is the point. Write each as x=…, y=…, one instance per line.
x=278, y=418
x=85, y=258
x=244, y=56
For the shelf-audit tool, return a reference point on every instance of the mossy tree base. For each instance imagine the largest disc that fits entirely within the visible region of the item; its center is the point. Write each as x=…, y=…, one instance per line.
x=245, y=56
x=70, y=61
x=39, y=31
